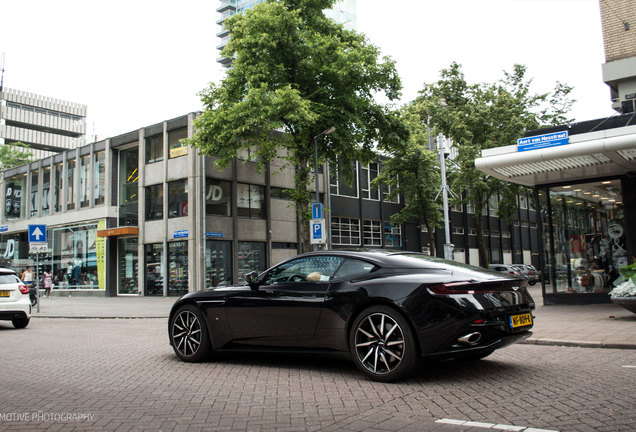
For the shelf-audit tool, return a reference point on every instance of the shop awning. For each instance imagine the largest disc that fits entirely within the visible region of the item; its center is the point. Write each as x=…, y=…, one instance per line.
x=605, y=153
x=120, y=231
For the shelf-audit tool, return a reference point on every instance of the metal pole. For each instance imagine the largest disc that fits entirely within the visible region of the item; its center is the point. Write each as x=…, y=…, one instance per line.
x=37, y=280
x=448, y=246
x=315, y=140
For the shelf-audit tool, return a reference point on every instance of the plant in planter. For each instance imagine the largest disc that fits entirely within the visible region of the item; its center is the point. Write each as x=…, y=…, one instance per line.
x=624, y=294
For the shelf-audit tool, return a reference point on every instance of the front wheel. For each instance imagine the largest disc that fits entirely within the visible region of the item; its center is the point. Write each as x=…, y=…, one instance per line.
x=189, y=335
x=382, y=344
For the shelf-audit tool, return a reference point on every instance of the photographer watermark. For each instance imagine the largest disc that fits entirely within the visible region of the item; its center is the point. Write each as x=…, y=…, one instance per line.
x=42, y=416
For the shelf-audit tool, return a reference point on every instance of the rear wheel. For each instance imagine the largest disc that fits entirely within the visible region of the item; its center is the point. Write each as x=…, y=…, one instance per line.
x=382, y=344
x=20, y=322
x=189, y=334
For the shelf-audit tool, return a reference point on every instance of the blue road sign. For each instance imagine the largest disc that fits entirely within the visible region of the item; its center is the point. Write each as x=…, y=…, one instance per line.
x=37, y=233
x=180, y=234
x=316, y=210
x=317, y=227
x=542, y=141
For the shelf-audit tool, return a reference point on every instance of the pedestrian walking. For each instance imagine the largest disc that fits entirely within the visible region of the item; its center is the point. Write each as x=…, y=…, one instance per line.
x=47, y=282
x=27, y=276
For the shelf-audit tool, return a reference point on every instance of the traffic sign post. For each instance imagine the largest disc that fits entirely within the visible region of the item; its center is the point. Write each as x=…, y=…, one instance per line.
x=37, y=244
x=318, y=232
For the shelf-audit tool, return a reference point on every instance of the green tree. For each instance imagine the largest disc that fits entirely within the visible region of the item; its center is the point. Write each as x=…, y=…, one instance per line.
x=483, y=116
x=412, y=170
x=11, y=155
x=296, y=71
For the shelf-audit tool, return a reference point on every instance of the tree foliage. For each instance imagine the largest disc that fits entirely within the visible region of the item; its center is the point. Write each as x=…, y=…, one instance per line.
x=11, y=155
x=296, y=71
x=482, y=116
x=412, y=170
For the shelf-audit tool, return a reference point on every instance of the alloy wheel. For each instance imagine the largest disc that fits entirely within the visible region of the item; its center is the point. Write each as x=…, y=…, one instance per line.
x=379, y=343
x=186, y=333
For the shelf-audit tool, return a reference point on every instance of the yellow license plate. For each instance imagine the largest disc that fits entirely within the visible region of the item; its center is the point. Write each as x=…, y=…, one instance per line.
x=5, y=293
x=520, y=320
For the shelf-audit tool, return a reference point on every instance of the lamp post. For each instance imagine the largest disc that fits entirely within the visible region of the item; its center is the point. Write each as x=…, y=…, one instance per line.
x=315, y=139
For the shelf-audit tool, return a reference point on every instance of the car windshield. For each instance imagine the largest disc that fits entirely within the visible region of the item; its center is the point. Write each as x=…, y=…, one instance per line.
x=9, y=279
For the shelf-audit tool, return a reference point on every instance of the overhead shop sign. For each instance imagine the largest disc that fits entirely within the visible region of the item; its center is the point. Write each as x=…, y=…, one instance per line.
x=542, y=141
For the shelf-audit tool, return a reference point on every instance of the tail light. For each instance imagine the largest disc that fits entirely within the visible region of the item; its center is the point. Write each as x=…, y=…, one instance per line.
x=23, y=289
x=460, y=288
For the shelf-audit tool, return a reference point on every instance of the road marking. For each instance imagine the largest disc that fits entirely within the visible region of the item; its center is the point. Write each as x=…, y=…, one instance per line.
x=629, y=366
x=492, y=425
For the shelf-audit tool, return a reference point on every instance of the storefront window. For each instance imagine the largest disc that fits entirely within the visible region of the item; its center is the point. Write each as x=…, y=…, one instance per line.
x=33, y=203
x=177, y=268
x=14, y=197
x=154, y=269
x=46, y=189
x=100, y=177
x=178, y=198
x=14, y=251
x=128, y=182
x=70, y=202
x=75, y=257
x=128, y=282
x=154, y=202
x=218, y=263
x=583, y=237
x=250, y=257
x=85, y=162
x=218, y=197
x=392, y=235
x=250, y=201
x=175, y=146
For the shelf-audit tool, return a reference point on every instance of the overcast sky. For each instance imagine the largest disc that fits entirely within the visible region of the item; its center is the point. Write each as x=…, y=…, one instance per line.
x=138, y=62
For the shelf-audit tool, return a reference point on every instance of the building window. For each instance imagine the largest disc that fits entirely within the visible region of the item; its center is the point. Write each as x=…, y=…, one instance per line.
x=340, y=186
x=250, y=257
x=128, y=184
x=392, y=236
x=470, y=207
x=154, y=269
x=485, y=233
x=154, y=202
x=128, y=282
x=33, y=203
x=280, y=193
x=423, y=228
x=85, y=162
x=493, y=205
x=178, y=198
x=99, y=188
x=426, y=250
x=345, y=231
x=523, y=202
x=457, y=208
x=458, y=230
x=75, y=257
x=59, y=187
x=175, y=146
x=247, y=154
x=250, y=201
x=505, y=234
x=472, y=231
x=154, y=148
x=70, y=202
x=177, y=268
x=494, y=233
x=218, y=197
x=367, y=174
x=372, y=233
x=524, y=224
x=46, y=191
x=218, y=263
x=14, y=197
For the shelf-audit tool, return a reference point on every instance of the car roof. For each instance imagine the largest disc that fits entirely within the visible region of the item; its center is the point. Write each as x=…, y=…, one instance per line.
x=391, y=259
x=7, y=270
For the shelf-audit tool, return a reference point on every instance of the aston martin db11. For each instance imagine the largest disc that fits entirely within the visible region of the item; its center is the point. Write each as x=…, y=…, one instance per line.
x=388, y=310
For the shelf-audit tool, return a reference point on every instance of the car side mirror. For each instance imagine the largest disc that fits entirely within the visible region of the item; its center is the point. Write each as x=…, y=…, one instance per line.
x=252, y=279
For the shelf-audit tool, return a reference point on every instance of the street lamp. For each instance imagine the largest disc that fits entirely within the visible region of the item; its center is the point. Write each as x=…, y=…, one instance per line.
x=315, y=139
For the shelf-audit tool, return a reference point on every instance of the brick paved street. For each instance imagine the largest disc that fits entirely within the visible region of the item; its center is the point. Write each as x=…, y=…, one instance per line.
x=122, y=375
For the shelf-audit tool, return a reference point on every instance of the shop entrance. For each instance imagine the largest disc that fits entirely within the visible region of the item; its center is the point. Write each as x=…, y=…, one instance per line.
x=128, y=271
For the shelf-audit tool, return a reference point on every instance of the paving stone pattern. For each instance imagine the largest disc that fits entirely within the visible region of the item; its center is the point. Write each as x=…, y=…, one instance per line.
x=123, y=373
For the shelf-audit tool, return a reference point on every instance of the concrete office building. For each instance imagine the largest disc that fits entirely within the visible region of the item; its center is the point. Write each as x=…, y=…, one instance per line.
x=49, y=126
x=343, y=12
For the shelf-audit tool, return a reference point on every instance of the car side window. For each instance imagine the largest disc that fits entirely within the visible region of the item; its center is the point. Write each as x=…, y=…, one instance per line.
x=352, y=267
x=304, y=270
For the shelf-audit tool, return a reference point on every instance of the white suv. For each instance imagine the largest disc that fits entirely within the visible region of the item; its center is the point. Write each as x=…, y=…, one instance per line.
x=15, y=305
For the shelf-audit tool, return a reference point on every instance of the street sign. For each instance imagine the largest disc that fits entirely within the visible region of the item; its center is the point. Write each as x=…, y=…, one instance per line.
x=180, y=234
x=37, y=233
x=542, y=141
x=318, y=232
x=316, y=210
x=38, y=248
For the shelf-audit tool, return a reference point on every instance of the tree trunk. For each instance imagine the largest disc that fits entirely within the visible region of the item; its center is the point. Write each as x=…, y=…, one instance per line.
x=431, y=239
x=483, y=255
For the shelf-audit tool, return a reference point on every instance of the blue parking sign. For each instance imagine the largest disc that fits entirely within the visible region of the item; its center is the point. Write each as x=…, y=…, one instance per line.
x=37, y=233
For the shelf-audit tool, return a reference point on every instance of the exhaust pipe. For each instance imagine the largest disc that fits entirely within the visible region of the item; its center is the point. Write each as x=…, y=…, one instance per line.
x=470, y=338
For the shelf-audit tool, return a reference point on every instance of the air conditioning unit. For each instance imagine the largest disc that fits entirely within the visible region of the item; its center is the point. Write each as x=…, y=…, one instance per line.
x=627, y=106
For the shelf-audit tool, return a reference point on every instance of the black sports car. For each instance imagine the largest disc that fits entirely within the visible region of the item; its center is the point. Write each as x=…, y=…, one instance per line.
x=388, y=310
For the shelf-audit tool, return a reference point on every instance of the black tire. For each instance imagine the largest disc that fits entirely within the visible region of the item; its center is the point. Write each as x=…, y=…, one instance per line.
x=382, y=344
x=189, y=335
x=34, y=300
x=20, y=323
